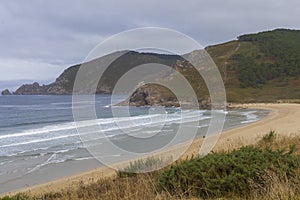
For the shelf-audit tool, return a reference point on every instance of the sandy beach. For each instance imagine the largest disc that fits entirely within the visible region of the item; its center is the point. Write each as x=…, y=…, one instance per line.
x=283, y=118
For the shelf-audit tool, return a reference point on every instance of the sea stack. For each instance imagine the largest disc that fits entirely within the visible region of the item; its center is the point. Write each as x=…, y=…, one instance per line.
x=6, y=92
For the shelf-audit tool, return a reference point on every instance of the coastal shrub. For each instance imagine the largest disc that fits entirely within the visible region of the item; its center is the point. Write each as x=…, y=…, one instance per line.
x=269, y=138
x=141, y=165
x=20, y=196
x=230, y=174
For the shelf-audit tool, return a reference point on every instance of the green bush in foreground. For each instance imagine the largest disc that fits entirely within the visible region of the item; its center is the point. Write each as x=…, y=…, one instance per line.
x=268, y=139
x=232, y=174
x=16, y=197
x=141, y=165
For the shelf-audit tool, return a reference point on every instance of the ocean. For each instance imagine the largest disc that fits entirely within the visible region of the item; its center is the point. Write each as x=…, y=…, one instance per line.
x=39, y=141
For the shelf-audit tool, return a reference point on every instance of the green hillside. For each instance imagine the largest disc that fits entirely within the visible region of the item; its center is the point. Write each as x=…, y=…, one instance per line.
x=260, y=67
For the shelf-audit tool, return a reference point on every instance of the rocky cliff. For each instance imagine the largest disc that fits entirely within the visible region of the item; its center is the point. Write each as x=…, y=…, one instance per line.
x=6, y=92
x=151, y=95
x=30, y=89
x=157, y=95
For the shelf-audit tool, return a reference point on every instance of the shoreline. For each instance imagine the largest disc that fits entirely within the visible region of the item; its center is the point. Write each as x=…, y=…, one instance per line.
x=282, y=119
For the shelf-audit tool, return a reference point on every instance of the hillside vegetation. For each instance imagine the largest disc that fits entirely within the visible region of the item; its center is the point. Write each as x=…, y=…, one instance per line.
x=260, y=67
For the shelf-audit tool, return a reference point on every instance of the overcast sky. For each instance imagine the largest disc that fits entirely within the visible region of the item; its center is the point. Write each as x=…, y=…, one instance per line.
x=39, y=39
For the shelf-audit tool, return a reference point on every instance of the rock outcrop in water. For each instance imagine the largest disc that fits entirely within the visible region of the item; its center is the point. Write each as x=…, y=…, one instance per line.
x=6, y=92
x=156, y=95
x=30, y=89
x=152, y=94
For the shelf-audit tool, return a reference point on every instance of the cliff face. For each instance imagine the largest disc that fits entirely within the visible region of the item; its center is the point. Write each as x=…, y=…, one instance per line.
x=56, y=88
x=30, y=89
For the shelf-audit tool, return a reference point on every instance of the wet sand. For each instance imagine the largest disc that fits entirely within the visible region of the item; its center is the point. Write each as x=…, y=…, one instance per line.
x=283, y=118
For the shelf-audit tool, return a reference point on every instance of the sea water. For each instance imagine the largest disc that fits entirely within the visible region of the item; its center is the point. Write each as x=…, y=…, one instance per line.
x=39, y=141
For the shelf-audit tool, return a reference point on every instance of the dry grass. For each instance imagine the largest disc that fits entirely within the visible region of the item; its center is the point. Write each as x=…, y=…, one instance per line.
x=281, y=142
x=135, y=187
x=278, y=189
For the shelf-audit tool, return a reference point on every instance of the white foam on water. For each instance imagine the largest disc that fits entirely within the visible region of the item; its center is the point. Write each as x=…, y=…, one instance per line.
x=250, y=117
x=107, y=125
x=53, y=159
x=6, y=162
x=50, y=159
x=37, y=141
x=137, y=121
x=85, y=158
x=46, y=129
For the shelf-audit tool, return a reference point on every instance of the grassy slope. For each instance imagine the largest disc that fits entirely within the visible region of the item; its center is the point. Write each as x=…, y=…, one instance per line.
x=284, y=87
